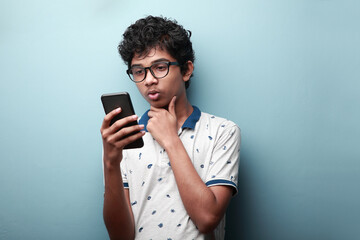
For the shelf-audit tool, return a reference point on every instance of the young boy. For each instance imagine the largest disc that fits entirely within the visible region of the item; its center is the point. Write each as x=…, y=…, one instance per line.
x=179, y=184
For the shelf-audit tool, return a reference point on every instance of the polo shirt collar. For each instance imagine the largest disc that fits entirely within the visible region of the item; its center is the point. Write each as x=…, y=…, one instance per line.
x=189, y=123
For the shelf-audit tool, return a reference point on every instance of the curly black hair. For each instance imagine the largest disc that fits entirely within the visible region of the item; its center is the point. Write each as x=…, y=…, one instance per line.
x=147, y=33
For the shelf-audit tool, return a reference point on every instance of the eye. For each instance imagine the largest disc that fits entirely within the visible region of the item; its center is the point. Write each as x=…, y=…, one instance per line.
x=137, y=71
x=160, y=67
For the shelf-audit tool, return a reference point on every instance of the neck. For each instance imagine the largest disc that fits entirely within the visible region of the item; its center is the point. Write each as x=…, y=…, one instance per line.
x=183, y=110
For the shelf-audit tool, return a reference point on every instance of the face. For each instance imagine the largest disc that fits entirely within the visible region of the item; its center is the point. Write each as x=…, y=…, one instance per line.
x=159, y=92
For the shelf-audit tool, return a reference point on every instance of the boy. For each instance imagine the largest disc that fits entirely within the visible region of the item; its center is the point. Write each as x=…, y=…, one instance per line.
x=179, y=184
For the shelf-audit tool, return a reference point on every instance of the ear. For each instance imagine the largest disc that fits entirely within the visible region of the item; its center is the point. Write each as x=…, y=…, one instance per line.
x=190, y=69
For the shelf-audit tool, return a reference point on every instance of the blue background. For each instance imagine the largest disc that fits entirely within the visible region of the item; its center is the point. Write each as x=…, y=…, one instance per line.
x=287, y=72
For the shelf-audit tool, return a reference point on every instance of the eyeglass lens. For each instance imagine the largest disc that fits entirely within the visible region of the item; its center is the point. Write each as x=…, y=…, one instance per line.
x=158, y=70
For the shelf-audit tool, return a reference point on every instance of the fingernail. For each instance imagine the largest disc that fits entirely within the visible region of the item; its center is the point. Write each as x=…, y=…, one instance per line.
x=118, y=109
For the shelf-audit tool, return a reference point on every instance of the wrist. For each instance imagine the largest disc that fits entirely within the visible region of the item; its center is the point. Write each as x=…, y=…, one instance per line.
x=172, y=143
x=111, y=164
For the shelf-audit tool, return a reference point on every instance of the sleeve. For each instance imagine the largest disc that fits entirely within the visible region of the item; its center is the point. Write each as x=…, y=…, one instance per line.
x=224, y=163
x=124, y=172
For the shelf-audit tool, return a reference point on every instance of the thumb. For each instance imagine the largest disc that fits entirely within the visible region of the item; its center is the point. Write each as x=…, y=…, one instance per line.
x=172, y=106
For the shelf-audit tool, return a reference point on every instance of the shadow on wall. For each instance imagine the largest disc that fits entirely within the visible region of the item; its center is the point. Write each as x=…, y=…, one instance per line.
x=240, y=207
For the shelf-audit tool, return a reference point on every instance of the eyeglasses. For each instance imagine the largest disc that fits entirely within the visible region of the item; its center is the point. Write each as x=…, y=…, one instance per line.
x=158, y=70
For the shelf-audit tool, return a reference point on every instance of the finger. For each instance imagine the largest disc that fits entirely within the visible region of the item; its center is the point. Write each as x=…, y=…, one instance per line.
x=172, y=106
x=109, y=117
x=125, y=133
x=155, y=109
x=122, y=123
x=123, y=142
x=151, y=113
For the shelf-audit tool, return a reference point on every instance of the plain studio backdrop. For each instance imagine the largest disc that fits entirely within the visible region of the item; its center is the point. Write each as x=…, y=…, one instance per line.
x=287, y=72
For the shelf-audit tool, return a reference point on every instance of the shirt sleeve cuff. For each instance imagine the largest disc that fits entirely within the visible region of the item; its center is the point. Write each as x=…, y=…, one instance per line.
x=222, y=182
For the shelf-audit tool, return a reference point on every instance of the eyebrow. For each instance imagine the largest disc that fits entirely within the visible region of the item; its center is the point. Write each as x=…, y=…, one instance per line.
x=155, y=61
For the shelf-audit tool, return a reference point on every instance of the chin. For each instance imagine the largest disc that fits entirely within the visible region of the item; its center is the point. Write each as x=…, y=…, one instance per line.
x=158, y=104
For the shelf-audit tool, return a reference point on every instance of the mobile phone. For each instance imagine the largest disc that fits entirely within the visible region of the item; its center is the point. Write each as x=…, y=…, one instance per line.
x=112, y=101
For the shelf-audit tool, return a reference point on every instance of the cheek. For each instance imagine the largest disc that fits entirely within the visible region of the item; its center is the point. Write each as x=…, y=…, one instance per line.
x=140, y=88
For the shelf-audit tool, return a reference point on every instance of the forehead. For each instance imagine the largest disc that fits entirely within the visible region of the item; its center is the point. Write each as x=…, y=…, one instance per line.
x=152, y=56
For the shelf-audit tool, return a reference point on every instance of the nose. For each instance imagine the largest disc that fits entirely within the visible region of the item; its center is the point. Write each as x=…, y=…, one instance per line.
x=149, y=78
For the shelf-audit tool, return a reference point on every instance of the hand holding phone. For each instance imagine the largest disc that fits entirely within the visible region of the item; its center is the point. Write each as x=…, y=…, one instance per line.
x=122, y=100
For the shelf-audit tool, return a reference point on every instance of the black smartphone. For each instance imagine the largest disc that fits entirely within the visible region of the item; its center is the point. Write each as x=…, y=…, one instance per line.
x=112, y=101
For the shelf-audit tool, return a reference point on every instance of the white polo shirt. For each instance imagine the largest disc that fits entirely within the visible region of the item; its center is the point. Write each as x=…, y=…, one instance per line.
x=213, y=145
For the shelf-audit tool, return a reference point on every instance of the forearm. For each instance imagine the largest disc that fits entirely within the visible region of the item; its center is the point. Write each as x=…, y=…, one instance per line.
x=200, y=201
x=117, y=213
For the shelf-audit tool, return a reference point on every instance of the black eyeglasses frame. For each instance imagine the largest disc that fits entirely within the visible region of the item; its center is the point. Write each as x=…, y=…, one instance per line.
x=152, y=73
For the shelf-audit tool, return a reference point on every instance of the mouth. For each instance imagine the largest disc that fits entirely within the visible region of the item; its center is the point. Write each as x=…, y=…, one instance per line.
x=153, y=95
